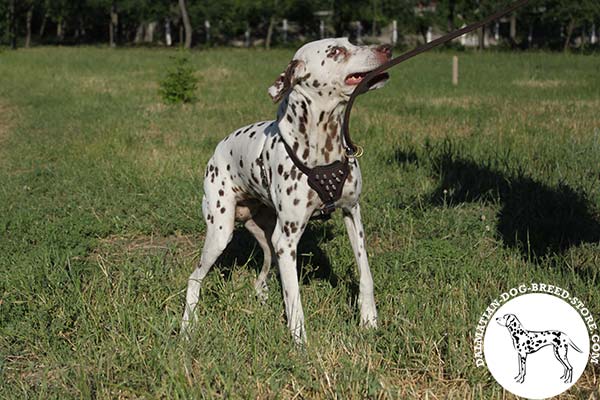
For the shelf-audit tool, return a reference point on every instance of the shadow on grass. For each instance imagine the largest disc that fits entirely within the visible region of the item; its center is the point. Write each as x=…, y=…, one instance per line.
x=312, y=262
x=536, y=219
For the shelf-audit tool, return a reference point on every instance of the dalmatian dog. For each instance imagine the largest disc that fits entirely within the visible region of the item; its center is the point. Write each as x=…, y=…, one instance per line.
x=251, y=178
x=528, y=342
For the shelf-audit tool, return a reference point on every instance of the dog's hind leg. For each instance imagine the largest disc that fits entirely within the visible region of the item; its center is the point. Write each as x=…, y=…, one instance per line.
x=561, y=354
x=218, y=207
x=366, y=299
x=261, y=225
x=565, y=368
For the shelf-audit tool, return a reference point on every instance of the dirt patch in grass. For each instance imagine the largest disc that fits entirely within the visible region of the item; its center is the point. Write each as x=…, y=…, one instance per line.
x=8, y=119
x=464, y=102
x=419, y=127
x=95, y=84
x=329, y=374
x=155, y=108
x=573, y=118
x=28, y=369
x=213, y=74
x=9, y=115
x=186, y=110
x=541, y=84
x=117, y=248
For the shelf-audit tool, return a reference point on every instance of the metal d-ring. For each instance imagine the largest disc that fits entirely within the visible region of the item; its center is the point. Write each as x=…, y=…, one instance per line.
x=357, y=153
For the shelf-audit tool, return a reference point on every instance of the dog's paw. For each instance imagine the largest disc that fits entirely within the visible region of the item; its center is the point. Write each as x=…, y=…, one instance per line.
x=262, y=296
x=368, y=314
x=262, y=291
x=185, y=331
x=369, y=322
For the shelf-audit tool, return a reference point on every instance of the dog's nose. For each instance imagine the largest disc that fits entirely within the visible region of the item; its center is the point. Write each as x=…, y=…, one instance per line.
x=385, y=49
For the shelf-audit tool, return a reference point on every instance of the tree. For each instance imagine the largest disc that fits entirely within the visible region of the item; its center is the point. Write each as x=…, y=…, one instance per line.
x=274, y=13
x=45, y=18
x=12, y=24
x=28, y=24
x=113, y=24
x=186, y=24
x=557, y=22
x=572, y=14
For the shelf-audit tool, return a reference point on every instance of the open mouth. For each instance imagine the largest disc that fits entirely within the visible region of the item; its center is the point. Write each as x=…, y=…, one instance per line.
x=357, y=77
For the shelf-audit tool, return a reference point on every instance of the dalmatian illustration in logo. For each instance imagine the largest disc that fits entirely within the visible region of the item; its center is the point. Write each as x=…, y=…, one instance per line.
x=527, y=342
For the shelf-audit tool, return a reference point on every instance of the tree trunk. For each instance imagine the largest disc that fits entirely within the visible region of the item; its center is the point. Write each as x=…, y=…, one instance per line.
x=530, y=37
x=43, y=25
x=513, y=27
x=168, y=37
x=374, y=10
x=149, y=34
x=114, y=23
x=423, y=31
x=570, y=29
x=270, y=33
x=59, y=29
x=28, y=25
x=583, y=38
x=81, y=30
x=186, y=23
x=512, y=35
x=481, y=38
x=12, y=24
x=450, y=20
x=139, y=34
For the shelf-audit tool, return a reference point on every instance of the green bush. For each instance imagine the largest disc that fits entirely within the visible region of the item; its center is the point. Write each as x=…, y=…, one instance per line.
x=179, y=84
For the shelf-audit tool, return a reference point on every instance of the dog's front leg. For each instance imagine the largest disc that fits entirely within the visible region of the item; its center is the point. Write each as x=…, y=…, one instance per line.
x=522, y=365
x=285, y=241
x=366, y=298
x=518, y=377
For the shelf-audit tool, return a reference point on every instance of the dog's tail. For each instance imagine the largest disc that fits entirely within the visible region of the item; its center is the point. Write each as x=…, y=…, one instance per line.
x=573, y=346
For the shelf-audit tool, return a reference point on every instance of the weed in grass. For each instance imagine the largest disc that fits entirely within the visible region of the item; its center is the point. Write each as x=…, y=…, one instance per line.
x=179, y=84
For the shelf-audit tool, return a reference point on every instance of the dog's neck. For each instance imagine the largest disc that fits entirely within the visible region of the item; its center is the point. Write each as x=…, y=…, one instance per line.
x=514, y=330
x=312, y=128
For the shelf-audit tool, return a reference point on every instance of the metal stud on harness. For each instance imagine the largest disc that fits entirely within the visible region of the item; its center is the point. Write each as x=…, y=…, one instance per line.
x=328, y=180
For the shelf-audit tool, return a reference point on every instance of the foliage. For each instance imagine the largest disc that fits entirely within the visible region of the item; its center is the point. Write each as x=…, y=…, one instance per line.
x=86, y=21
x=179, y=84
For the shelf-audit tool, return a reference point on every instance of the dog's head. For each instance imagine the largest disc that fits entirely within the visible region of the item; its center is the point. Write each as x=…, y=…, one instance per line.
x=331, y=68
x=508, y=320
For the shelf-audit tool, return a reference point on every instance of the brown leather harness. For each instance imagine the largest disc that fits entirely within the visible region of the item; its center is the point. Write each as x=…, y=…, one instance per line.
x=328, y=180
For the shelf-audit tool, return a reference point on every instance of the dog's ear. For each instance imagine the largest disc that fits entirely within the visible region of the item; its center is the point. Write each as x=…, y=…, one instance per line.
x=286, y=80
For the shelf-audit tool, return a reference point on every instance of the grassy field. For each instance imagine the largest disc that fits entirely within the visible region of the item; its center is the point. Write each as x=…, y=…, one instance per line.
x=469, y=191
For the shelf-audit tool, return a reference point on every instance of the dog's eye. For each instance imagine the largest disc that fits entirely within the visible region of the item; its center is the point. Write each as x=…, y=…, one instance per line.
x=336, y=51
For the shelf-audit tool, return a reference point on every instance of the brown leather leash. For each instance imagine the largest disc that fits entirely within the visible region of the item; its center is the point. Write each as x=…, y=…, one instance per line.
x=351, y=148
x=328, y=180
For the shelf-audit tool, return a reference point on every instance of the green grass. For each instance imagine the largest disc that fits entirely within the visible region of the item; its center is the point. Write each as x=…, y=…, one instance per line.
x=469, y=191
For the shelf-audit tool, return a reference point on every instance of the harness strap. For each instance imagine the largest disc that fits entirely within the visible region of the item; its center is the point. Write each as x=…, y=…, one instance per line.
x=327, y=180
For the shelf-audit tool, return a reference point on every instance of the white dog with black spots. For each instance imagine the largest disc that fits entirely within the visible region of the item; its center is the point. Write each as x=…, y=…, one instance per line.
x=251, y=178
